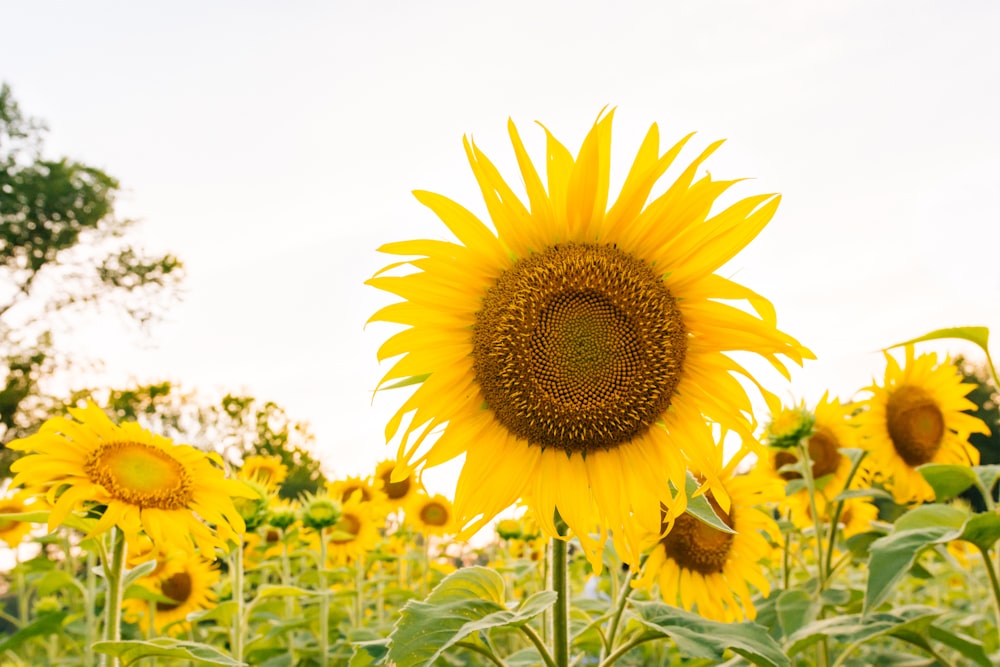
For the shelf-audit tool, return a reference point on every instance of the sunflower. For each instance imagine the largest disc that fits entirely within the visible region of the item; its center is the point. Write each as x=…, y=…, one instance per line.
x=431, y=515
x=188, y=582
x=829, y=432
x=136, y=480
x=397, y=488
x=13, y=532
x=354, y=535
x=918, y=416
x=367, y=491
x=567, y=348
x=268, y=471
x=698, y=566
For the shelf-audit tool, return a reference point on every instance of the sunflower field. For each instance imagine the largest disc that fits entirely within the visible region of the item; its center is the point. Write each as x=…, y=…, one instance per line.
x=631, y=493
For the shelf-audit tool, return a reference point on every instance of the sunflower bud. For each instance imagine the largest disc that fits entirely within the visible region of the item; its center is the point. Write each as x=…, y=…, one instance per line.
x=321, y=512
x=789, y=427
x=254, y=510
x=509, y=529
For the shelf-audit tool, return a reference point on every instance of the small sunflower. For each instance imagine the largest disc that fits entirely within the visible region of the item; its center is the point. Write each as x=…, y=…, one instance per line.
x=268, y=471
x=567, y=348
x=13, y=532
x=431, y=515
x=398, y=491
x=367, y=491
x=189, y=582
x=918, y=416
x=830, y=431
x=703, y=568
x=138, y=481
x=354, y=535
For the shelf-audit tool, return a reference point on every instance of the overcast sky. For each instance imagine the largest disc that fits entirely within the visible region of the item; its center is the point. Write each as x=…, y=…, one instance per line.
x=274, y=146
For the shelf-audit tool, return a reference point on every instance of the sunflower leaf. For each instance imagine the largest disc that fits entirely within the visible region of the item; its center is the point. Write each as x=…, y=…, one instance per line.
x=426, y=628
x=701, y=509
x=698, y=637
x=138, y=572
x=978, y=335
x=854, y=629
x=893, y=555
x=862, y=493
x=794, y=608
x=983, y=530
x=132, y=651
x=948, y=480
x=43, y=626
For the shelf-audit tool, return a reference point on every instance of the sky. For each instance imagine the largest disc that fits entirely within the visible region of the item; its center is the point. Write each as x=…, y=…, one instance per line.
x=273, y=147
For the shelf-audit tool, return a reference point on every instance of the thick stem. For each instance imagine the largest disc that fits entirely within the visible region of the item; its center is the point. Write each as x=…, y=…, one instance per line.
x=560, y=584
x=113, y=600
x=359, y=588
x=817, y=519
x=89, y=613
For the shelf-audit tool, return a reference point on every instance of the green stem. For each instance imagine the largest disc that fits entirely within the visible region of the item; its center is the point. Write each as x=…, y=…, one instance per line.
x=817, y=520
x=359, y=588
x=113, y=570
x=628, y=646
x=324, y=603
x=988, y=562
x=89, y=613
x=237, y=577
x=560, y=611
x=475, y=648
x=623, y=595
x=837, y=511
x=539, y=643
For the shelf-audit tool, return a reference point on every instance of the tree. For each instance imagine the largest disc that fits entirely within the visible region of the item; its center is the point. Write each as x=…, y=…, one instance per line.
x=62, y=257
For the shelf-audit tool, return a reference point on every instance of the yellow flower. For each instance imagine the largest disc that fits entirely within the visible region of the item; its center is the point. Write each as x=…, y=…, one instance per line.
x=829, y=433
x=915, y=417
x=431, y=515
x=567, y=348
x=144, y=481
x=13, y=532
x=268, y=471
x=368, y=492
x=354, y=535
x=188, y=581
x=398, y=492
x=703, y=568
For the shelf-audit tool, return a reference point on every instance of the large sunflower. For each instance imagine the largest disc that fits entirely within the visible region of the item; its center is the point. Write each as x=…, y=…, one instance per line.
x=137, y=480
x=700, y=567
x=354, y=535
x=918, y=416
x=568, y=347
x=431, y=514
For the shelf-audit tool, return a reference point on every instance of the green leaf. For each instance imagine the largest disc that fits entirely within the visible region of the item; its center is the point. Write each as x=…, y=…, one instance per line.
x=697, y=637
x=701, y=509
x=983, y=530
x=57, y=580
x=367, y=654
x=856, y=628
x=893, y=555
x=131, y=652
x=988, y=476
x=138, y=572
x=948, y=480
x=967, y=646
x=424, y=627
x=406, y=382
x=862, y=493
x=43, y=626
x=932, y=515
x=978, y=335
x=794, y=608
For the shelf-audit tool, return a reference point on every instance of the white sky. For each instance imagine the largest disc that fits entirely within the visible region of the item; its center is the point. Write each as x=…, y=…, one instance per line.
x=273, y=147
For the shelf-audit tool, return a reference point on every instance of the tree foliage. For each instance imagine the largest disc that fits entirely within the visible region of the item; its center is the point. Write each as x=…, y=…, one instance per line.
x=63, y=257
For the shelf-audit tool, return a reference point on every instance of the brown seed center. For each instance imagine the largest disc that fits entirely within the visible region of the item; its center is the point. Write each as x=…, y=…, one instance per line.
x=695, y=545
x=434, y=514
x=916, y=425
x=349, y=525
x=824, y=453
x=578, y=347
x=177, y=587
x=140, y=475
